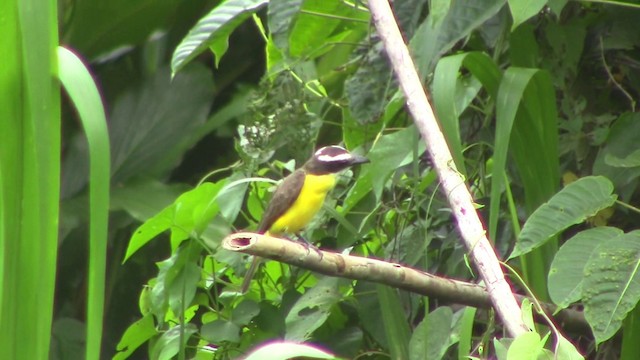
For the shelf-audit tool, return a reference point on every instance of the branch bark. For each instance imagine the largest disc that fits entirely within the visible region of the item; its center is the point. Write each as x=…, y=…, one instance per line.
x=471, y=228
x=394, y=275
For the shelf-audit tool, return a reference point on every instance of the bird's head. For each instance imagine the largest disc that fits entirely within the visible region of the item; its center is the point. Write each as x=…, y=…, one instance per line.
x=332, y=159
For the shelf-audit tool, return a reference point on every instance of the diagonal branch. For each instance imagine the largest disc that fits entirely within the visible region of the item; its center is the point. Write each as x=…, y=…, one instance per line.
x=394, y=275
x=471, y=229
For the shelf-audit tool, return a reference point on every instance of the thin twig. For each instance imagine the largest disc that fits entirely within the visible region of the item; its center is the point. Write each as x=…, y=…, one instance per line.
x=613, y=79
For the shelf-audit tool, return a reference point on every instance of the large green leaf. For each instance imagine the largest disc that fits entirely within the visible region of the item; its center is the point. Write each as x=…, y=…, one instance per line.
x=312, y=309
x=213, y=30
x=190, y=212
x=528, y=345
x=153, y=125
x=317, y=22
x=136, y=334
x=30, y=139
x=611, y=287
x=438, y=34
x=144, y=198
x=432, y=337
x=282, y=14
x=566, y=272
x=447, y=88
x=572, y=205
x=522, y=10
x=527, y=127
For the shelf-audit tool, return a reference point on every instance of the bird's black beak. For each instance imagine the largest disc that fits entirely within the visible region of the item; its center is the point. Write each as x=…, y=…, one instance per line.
x=359, y=160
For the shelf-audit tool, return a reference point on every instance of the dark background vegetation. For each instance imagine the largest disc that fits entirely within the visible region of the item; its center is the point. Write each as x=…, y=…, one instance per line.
x=166, y=135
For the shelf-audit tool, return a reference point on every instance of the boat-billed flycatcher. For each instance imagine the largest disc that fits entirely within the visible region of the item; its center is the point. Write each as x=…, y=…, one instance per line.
x=301, y=194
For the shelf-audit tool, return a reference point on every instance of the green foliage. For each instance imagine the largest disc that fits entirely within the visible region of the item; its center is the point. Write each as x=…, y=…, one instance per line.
x=524, y=92
x=572, y=205
x=610, y=288
x=566, y=275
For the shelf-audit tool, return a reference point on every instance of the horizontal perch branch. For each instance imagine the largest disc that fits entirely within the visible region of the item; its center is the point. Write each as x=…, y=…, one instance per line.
x=383, y=272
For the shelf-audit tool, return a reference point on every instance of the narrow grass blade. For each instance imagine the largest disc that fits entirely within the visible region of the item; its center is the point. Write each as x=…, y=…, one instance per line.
x=83, y=92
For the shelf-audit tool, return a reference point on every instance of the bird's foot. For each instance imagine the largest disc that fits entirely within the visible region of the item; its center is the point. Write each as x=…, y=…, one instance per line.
x=309, y=246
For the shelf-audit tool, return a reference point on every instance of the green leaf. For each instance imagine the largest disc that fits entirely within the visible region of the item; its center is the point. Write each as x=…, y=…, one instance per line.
x=527, y=129
x=191, y=212
x=522, y=10
x=431, y=338
x=394, y=322
x=30, y=138
x=317, y=22
x=245, y=312
x=630, y=330
x=611, y=287
x=82, y=90
x=375, y=75
x=566, y=272
x=557, y=5
x=408, y=13
x=620, y=149
x=231, y=198
x=153, y=125
x=281, y=15
x=213, y=31
x=526, y=126
x=566, y=350
x=502, y=347
x=176, y=283
x=572, y=205
x=631, y=160
x=288, y=350
x=144, y=198
x=466, y=332
x=447, y=84
x=312, y=309
x=523, y=47
x=387, y=155
x=437, y=34
x=182, y=287
x=355, y=133
x=527, y=314
x=221, y=330
x=169, y=343
x=136, y=334
x=151, y=228
x=526, y=346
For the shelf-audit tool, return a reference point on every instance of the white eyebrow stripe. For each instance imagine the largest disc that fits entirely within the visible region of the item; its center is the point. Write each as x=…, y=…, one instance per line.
x=321, y=150
x=339, y=157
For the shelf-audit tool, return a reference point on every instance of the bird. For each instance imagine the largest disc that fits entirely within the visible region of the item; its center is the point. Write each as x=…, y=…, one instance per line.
x=300, y=196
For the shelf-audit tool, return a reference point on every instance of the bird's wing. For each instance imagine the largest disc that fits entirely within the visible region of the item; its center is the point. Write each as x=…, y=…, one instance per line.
x=285, y=195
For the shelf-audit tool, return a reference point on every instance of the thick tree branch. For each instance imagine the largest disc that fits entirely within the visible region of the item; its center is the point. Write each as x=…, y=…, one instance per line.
x=469, y=223
x=394, y=275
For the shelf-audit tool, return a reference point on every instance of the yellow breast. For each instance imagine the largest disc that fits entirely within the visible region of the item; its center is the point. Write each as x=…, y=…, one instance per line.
x=312, y=195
